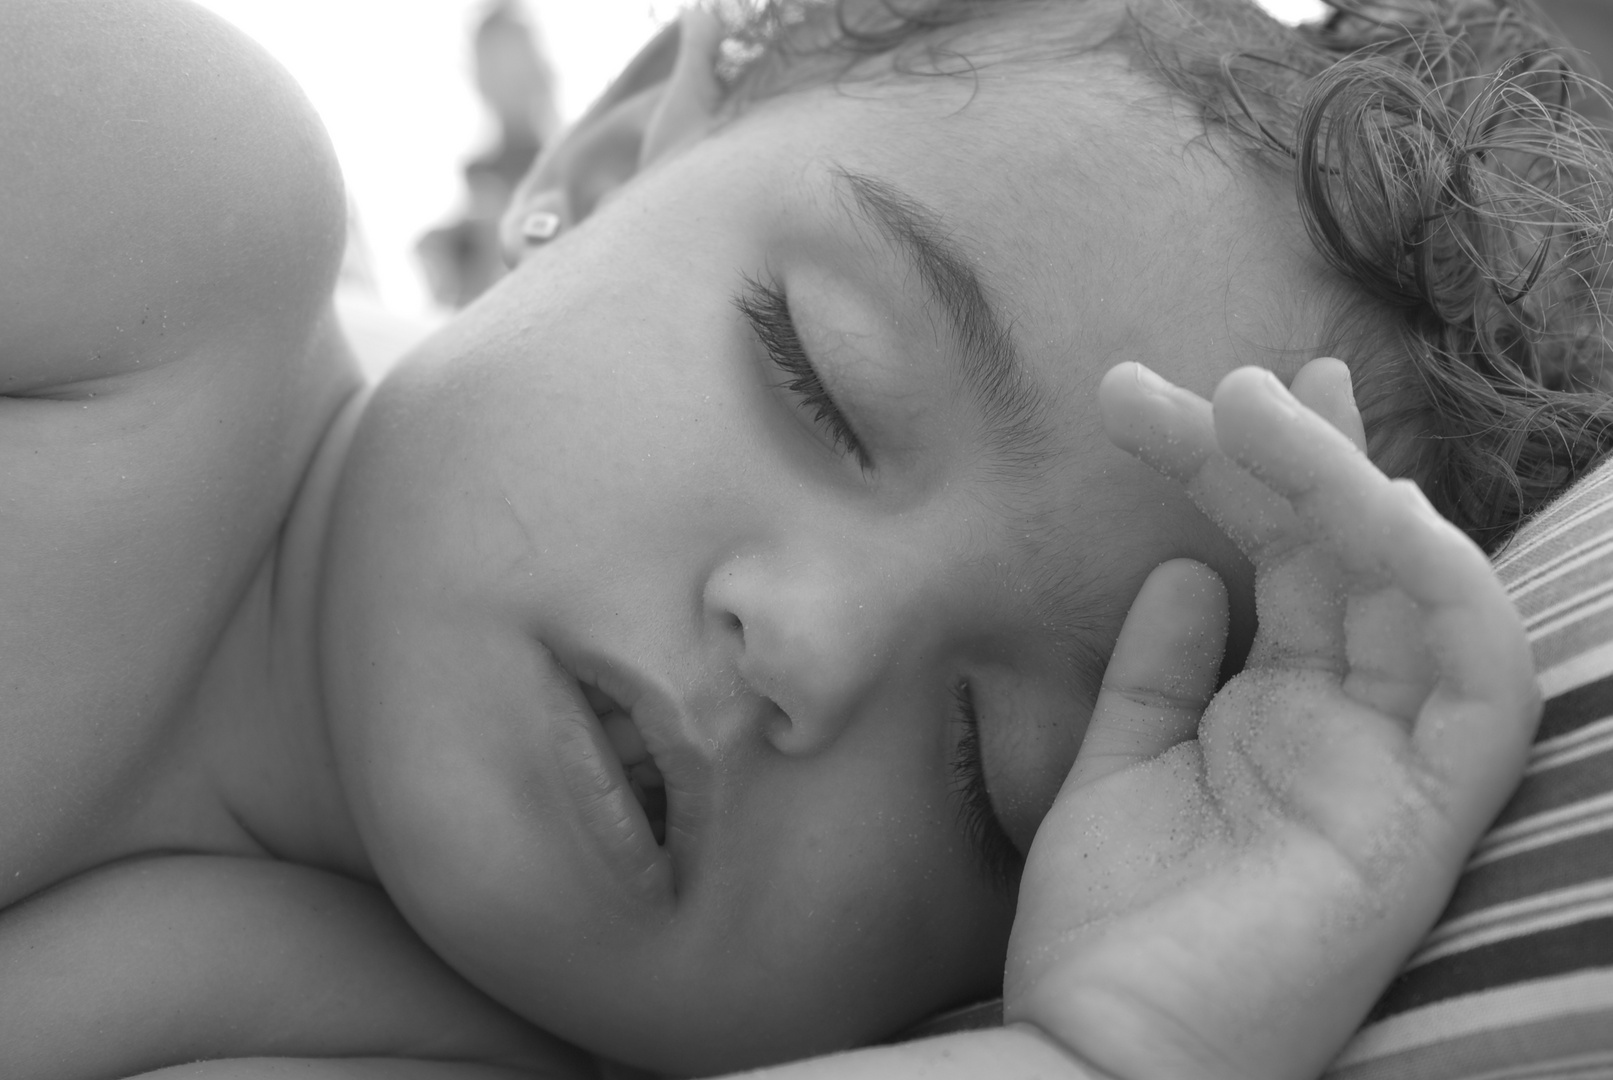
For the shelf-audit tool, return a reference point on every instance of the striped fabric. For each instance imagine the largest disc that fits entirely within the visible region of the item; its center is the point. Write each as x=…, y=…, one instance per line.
x=1516, y=981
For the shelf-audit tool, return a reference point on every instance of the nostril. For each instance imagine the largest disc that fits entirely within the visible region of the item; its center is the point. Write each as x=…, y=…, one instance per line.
x=778, y=726
x=737, y=625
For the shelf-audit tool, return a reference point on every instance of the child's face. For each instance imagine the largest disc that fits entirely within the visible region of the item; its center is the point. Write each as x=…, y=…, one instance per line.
x=599, y=474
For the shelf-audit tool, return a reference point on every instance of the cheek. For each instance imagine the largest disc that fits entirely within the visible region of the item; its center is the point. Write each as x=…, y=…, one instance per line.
x=632, y=438
x=855, y=886
x=861, y=884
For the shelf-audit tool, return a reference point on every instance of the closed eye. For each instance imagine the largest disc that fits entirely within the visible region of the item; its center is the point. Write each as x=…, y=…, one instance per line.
x=768, y=311
x=1001, y=860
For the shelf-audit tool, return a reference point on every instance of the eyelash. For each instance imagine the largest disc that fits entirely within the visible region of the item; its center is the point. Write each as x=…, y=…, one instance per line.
x=768, y=311
x=1001, y=858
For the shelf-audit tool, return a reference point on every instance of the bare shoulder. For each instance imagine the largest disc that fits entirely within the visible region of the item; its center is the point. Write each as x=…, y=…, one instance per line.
x=160, y=177
x=171, y=226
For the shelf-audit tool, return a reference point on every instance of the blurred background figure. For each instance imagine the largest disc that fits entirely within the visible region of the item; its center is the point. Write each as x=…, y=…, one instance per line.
x=517, y=84
x=412, y=90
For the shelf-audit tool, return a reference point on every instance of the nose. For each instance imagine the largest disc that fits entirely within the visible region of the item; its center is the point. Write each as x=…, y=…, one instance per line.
x=813, y=635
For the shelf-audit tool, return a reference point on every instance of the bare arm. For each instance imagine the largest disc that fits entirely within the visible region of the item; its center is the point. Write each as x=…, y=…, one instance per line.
x=338, y=1069
x=155, y=962
x=1008, y=1053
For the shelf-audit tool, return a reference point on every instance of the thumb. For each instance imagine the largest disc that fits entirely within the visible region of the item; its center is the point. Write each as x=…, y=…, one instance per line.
x=1162, y=673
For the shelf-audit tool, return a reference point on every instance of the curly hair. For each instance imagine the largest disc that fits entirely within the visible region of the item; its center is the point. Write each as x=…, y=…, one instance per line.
x=1440, y=167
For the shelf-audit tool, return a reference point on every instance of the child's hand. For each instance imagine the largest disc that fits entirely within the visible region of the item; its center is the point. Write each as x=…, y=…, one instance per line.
x=1225, y=885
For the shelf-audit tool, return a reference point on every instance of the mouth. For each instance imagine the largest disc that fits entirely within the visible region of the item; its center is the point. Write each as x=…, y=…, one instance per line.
x=606, y=770
x=643, y=775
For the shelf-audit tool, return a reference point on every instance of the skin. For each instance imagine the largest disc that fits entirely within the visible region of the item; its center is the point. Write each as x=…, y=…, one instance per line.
x=792, y=622
x=595, y=474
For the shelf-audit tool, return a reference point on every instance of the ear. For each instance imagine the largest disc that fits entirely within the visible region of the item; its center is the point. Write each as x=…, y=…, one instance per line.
x=664, y=99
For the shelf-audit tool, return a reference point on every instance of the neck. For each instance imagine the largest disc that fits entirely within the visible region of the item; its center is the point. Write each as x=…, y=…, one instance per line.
x=272, y=754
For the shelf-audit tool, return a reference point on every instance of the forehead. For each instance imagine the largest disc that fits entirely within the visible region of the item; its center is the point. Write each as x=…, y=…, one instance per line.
x=1099, y=216
x=1099, y=222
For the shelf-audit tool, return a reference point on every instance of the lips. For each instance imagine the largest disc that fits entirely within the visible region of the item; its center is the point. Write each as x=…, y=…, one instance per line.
x=643, y=775
x=610, y=806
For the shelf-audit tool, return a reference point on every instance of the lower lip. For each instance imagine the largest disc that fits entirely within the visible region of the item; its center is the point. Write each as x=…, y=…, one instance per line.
x=597, y=784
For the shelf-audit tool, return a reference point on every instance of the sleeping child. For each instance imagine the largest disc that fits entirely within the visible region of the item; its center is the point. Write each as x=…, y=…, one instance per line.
x=888, y=542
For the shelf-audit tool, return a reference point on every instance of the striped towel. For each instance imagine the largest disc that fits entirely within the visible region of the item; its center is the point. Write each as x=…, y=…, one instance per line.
x=1516, y=980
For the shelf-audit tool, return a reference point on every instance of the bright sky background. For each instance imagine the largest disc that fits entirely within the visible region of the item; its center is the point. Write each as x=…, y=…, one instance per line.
x=392, y=80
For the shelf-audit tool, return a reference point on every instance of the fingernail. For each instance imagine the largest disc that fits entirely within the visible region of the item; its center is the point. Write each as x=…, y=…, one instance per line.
x=1148, y=381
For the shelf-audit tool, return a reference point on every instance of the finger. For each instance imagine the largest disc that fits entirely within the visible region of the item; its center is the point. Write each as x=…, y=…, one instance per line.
x=1298, y=597
x=1299, y=585
x=1172, y=430
x=1475, y=730
x=1323, y=386
x=1162, y=674
x=1340, y=493
x=1385, y=532
x=1300, y=605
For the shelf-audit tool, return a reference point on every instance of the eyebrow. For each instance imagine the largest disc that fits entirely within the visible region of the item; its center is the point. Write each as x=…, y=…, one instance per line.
x=1016, y=411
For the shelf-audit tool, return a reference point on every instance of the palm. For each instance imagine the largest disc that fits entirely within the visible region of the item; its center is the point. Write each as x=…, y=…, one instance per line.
x=1248, y=873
